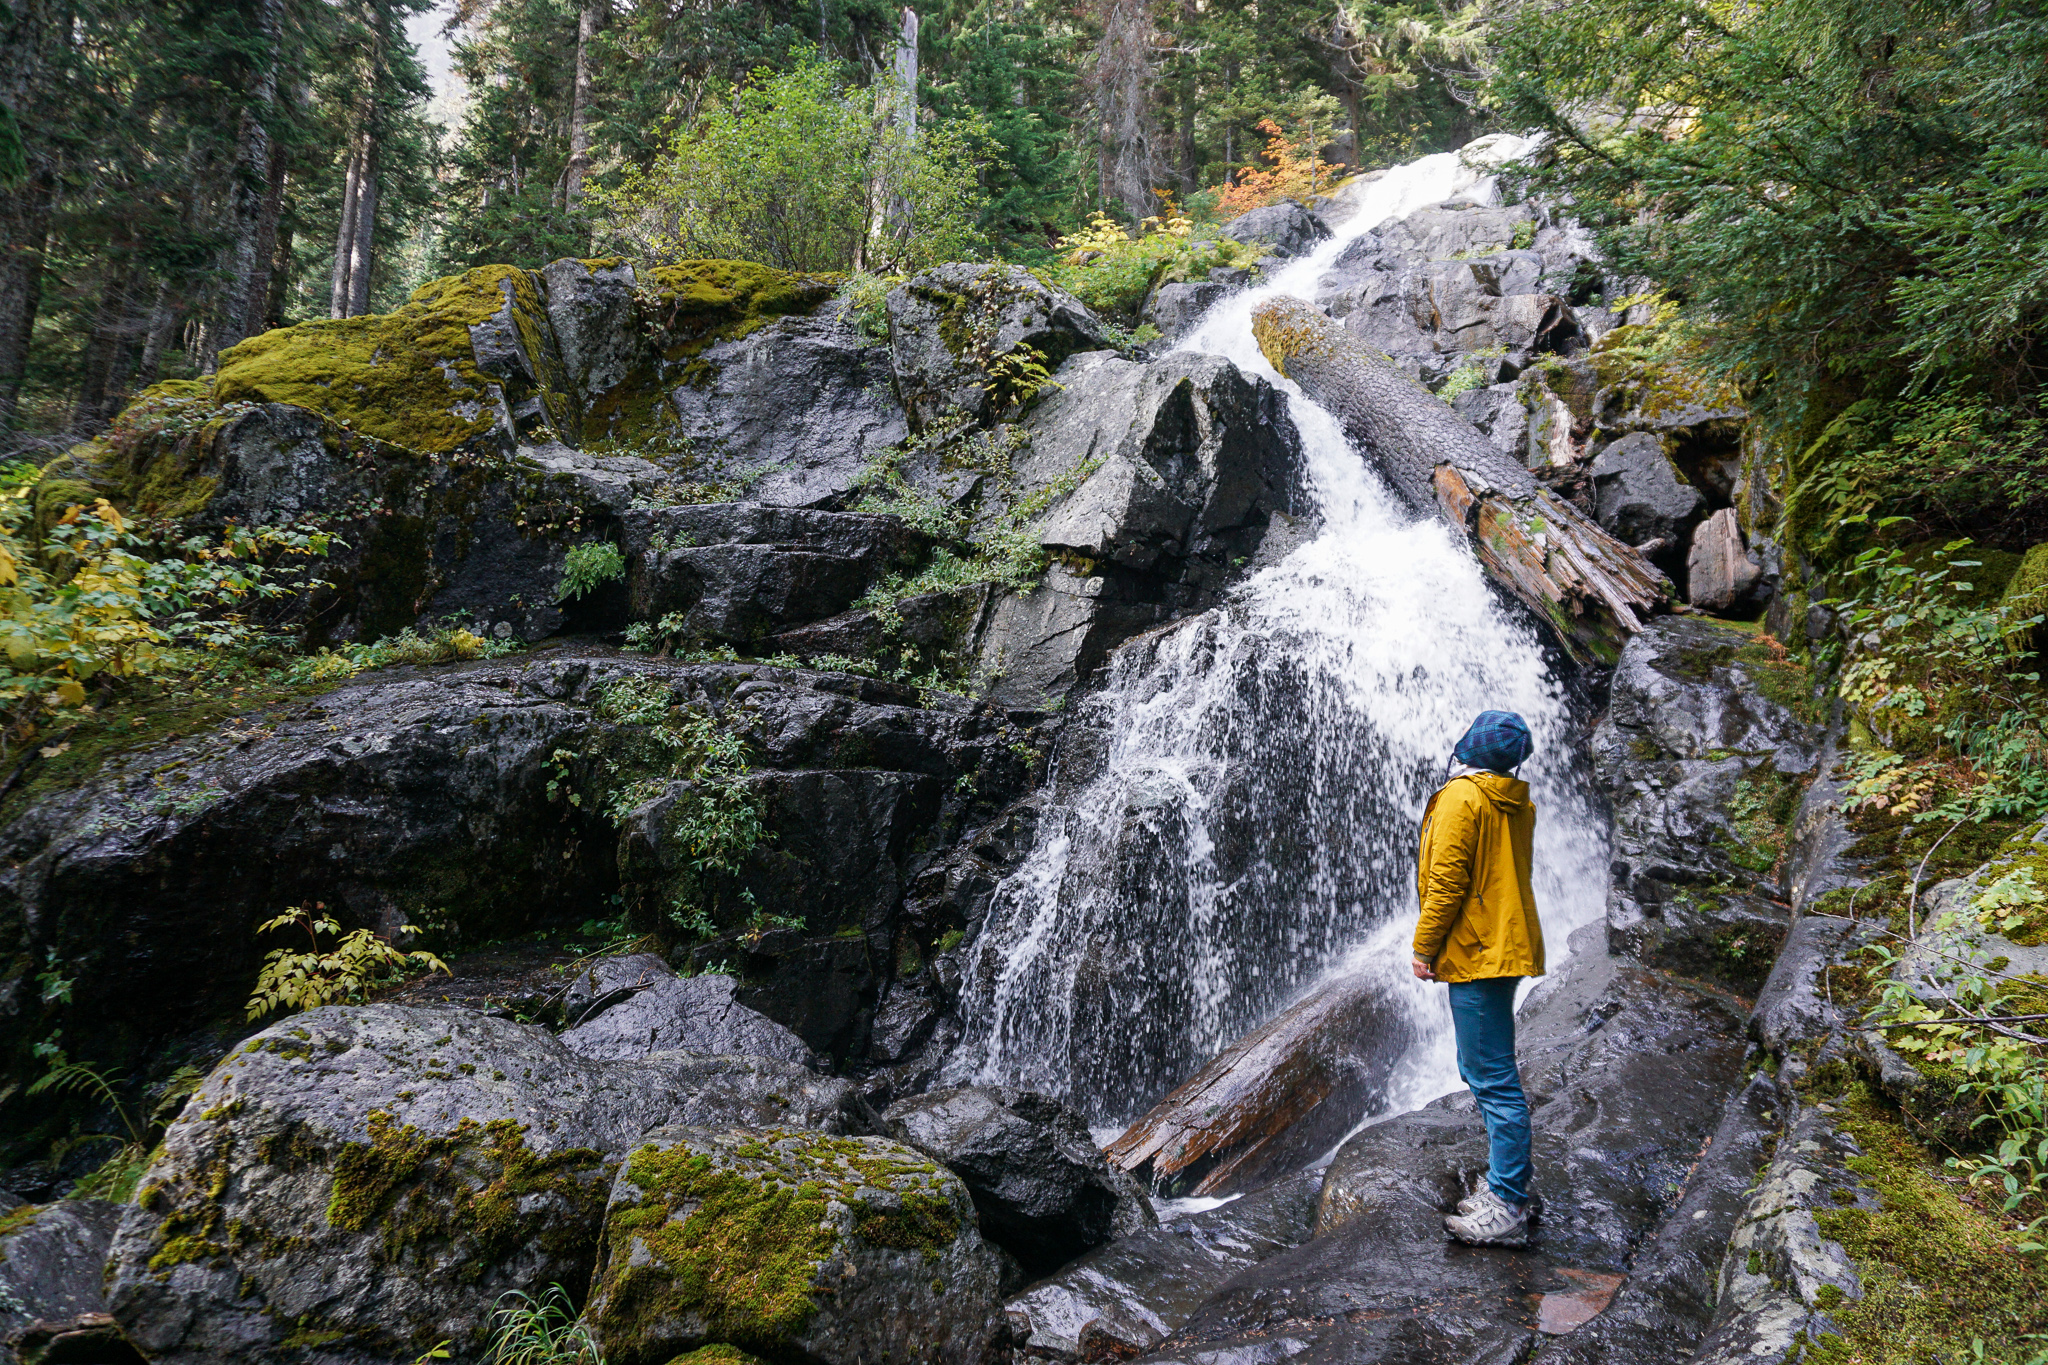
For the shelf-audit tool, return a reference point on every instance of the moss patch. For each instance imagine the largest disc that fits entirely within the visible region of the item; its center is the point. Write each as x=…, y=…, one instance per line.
x=408, y=378
x=717, y=1355
x=14, y=1219
x=1938, y=1270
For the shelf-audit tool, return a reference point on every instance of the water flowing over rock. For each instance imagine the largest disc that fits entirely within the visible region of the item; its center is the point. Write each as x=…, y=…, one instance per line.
x=378, y=1175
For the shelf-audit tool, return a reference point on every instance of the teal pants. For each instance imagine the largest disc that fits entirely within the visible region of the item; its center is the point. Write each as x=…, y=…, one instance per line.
x=1483, y=1013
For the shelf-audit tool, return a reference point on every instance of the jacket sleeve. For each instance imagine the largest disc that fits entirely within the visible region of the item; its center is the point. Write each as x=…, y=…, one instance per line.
x=1450, y=837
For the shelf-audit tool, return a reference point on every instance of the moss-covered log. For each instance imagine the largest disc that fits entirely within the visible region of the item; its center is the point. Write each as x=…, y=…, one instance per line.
x=1593, y=590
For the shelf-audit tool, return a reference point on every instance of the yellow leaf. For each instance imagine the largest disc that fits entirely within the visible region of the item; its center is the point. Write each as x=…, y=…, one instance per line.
x=70, y=694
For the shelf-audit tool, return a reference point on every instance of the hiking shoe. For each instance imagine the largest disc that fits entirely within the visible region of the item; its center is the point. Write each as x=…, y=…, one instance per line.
x=1534, y=1206
x=1493, y=1222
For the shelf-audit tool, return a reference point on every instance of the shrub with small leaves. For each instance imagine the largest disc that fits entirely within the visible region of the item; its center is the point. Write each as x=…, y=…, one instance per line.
x=345, y=968
x=588, y=567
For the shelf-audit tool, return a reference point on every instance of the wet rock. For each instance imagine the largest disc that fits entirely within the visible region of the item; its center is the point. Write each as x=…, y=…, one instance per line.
x=1792, y=1008
x=676, y=1014
x=913, y=634
x=1042, y=1190
x=949, y=325
x=1127, y=1297
x=51, y=1258
x=1778, y=1264
x=1692, y=727
x=1178, y=468
x=1498, y=411
x=790, y=414
x=1174, y=308
x=591, y=313
x=1641, y=494
x=1720, y=573
x=1275, y=1099
x=792, y=1244
x=1626, y=1088
x=610, y=981
x=740, y=571
x=1288, y=228
x=380, y=1175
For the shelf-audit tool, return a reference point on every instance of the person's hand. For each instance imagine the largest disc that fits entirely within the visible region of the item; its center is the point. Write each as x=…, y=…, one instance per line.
x=1425, y=970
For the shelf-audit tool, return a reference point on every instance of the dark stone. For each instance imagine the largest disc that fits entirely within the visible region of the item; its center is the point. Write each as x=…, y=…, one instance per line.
x=1288, y=228
x=1690, y=721
x=791, y=413
x=1125, y=1298
x=609, y=981
x=676, y=1014
x=50, y=1264
x=1174, y=308
x=1641, y=495
x=389, y=1172
x=1043, y=1191
x=949, y=324
x=741, y=571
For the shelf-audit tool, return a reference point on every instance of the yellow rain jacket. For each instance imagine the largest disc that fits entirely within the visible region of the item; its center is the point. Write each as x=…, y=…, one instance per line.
x=1478, y=908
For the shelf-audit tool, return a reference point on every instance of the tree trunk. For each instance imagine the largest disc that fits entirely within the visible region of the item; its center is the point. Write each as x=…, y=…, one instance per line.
x=1275, y=1099
x=362, y=250
x=249, y=188
x=280, y=277
x=345, y=236
x=1127, y=165
x=24, y=233
x=163, y=321
x=579, y=107
x=256, y=301
x=112, y=326
x=1589, y=588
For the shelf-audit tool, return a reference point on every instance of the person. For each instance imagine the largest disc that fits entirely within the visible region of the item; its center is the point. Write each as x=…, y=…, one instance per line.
x=1479, y=933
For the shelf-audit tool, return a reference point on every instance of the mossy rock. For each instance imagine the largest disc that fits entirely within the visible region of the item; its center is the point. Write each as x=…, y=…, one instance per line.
x=791, y=1244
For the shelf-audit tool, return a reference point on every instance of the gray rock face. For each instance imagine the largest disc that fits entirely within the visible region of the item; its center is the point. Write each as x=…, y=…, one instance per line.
x=1041, y=1188
x=1127, y=1297
x=382, y=1174
x=1692, y=727
x=790, y=413
x=1185, y=466
x=1720, y=572
x=591, y=312
x=1174, y=308
x=675, y=1014
x=950, y=324
x=1641, y=495
x=51, y=1260
x=741, y=571
x=610, y=981
x=792, y=1245
x=1288, y=228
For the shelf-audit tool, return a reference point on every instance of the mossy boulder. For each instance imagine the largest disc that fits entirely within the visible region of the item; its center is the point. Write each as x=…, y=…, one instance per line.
x=794, y=1245
x=974, y=341
x=360, y=1183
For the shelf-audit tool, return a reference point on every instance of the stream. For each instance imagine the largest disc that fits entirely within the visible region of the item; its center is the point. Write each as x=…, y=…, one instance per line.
x=1251, y=830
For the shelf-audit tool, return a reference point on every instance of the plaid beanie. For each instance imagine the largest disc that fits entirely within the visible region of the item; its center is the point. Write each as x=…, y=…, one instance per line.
x=1498, y=740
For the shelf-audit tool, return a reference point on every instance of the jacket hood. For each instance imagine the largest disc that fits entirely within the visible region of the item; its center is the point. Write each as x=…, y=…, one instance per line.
x=1508, y=794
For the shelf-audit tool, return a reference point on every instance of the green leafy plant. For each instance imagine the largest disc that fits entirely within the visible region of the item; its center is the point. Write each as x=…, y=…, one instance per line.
x=341, y=970
x=547, y=1330
x=1111, y=269
x=588, y=567
x=446, y=642
x=115, y=1179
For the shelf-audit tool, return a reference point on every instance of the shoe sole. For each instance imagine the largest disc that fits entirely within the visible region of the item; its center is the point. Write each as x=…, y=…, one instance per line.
x=1514, y=1242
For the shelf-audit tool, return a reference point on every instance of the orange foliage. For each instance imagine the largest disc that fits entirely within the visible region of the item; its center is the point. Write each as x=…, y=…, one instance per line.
x=1297, y=172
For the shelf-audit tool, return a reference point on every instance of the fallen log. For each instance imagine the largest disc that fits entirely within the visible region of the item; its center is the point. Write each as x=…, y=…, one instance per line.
x=1592, y=590
x=1277, y=1098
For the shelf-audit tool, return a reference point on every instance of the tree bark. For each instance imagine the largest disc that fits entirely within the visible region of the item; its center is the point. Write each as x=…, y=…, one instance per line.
x=1590, y=589
x=163, y=321
x=1128, y=161
x=24, y=233
x=345, y=236
x=362, y=250
x=256, y=310
x=249, y=189
x=1275, y=1099
x=579, y=107
x=113, y=326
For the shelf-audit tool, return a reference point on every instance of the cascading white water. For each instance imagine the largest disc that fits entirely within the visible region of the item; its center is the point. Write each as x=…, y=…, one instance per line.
x=1252, y=827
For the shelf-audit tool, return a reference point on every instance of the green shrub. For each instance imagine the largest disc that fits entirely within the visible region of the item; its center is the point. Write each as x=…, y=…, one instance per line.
x=588, y=566
x=343, y=969
x=1112, y=270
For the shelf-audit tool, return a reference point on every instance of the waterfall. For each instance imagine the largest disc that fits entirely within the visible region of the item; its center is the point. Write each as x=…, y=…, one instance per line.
x=1252, y=825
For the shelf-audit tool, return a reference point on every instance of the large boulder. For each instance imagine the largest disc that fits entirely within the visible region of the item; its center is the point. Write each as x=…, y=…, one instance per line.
x=1165, y=479
x=1721, y=574
x=1042, y=1189
x=1704, y=751
x=1287, y=227
x=1174, y=308
x=792, y=1244
x=372, y=1178
x=1642, y=496
x=961, y=338
x=678, y=1014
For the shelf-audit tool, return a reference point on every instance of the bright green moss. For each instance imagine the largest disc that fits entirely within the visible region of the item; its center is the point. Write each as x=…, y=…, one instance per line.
x=408, y=378
x=697, y=302
x=1937, y=1269
x=924, y=1222
x=717, y=1355
x=14, y=1219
